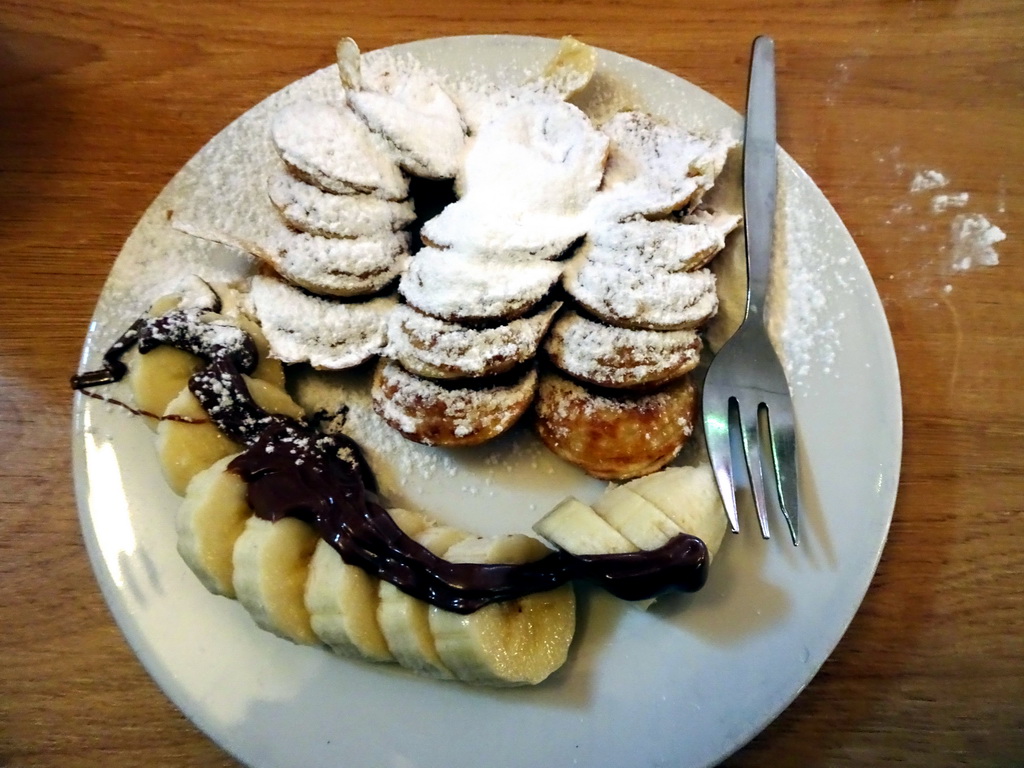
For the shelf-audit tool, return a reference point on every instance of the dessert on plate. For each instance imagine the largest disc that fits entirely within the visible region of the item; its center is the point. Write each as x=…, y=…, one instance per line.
x=498, y=257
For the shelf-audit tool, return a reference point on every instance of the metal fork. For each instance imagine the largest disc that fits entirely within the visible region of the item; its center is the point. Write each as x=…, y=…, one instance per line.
x=745, y=383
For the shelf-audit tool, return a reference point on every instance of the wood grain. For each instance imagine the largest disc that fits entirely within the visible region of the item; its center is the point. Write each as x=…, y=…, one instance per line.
x=102, y=102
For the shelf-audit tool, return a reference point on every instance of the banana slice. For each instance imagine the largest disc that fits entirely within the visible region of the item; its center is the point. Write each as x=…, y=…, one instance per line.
x=342, y=599
x=404, y=619
x=689, y=497
x=571, y=68
x=271, y=563
x=210, y=520
x=185, y=449
x=158, y=376
x=518, y=642
x=578, y=529
x=268, y=369
x=640, y=521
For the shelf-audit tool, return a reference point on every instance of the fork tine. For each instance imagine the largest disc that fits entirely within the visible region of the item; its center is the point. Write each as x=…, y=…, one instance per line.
x=783, y=440
x=750, y=429
x=716, y=435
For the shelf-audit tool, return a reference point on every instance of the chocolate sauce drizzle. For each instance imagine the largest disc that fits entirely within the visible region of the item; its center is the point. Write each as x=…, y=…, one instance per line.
x=184, y=329
x=295, y=470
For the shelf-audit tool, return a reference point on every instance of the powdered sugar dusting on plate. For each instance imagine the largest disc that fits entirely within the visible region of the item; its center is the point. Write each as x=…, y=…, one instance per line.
x=808, y=278
x=811, y=273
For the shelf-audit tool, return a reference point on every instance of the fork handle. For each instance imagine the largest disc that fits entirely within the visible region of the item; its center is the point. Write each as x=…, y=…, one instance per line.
x=759, y=173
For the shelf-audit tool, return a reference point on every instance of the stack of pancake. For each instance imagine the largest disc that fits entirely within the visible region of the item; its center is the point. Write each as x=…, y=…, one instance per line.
x=587, y=241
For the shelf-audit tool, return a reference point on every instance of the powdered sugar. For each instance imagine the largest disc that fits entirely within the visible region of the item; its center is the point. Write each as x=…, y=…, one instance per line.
x=646, y=158
x=482, y=96
x=641, y=295
x=970, y=237
x=408, y=106
x=811, y=280
x=458, y=286
x=675, y=246
x=328, y=143
x=485, y=227
x=326, y=265
x=926, y=180
x=544, y=156
x=973, y=239
x=942, y=203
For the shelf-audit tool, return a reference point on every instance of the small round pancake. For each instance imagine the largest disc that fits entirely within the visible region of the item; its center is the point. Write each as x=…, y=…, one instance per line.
x=669, y=244
x=456, y=286
x=326, y=333
x=329, y=146
x=309, y=209
x=638, y=295
x=614, y=435
x=472, y=225
x=437, y=349
x=417, y=116
x=620, y=357
x=336, y=266
x=428, y=412
x=655, y=167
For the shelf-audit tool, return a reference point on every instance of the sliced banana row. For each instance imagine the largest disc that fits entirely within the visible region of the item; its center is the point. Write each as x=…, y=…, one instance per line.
x=642, y=514
x=294, y=584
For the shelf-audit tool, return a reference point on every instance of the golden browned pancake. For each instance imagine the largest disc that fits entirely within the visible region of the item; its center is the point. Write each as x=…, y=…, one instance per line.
x=620, y=357
x=432, y=413
x=438, y=349
x=614, y=435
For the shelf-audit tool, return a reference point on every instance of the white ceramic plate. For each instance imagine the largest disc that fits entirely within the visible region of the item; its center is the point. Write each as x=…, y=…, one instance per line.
x=684, y=684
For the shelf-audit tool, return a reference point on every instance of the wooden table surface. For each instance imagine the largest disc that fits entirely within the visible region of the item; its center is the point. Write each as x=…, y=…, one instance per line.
x=102, y=102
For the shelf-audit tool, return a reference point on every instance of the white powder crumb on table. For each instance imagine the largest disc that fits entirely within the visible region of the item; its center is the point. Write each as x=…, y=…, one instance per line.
x=925, y=180
x=973, y=241
x=941, y=203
